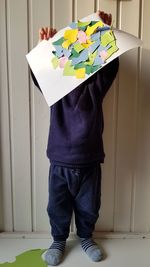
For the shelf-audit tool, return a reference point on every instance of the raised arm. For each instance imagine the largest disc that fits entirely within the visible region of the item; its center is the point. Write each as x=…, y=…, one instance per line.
x=106, y=76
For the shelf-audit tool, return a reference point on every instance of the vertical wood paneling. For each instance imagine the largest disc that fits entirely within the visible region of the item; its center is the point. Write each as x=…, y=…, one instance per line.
x=105, y=222
x=62, y=13
x=24, y=119
x=129, y=16
x=39, y=16
x=108, y=172
x=6, y=220
x=125, y=142
x=19, y=109
x=142, y=195
x=83, y=8
x=126, y=128
x=145, y=8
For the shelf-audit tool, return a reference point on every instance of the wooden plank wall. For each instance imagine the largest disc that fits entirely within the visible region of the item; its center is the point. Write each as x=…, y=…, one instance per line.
x=24, y=119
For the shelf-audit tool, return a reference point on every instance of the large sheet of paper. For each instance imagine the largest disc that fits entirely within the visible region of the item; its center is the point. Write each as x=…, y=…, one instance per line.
x=52, y=82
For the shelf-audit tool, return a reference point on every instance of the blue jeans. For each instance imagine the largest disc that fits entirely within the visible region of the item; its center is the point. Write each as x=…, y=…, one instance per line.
x=77, y=189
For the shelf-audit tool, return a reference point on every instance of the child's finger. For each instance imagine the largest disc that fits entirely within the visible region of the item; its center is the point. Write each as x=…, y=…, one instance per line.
x=54, y=32
x=45, y=36
x=106, y=18
x=40, y=33
x=48, y=32
x=101, y=15
x=109, y=19
x=45, y=30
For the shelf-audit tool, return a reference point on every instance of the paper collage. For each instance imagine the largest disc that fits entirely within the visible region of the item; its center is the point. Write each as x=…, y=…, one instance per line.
x=75, y=53
x=84, y=48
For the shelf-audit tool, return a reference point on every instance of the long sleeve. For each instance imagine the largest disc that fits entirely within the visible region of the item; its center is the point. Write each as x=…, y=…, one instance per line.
x=35, y=81
x=106, y=76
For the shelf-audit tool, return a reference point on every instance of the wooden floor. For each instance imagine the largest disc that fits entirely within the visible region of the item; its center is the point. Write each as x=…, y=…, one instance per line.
x=118, y=252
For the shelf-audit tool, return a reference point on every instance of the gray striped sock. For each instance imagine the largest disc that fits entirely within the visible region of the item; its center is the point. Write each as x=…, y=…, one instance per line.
x=55, y=253
x=91, y=249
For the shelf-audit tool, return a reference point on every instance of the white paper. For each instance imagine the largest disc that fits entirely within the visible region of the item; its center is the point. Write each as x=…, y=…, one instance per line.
x=51, y=81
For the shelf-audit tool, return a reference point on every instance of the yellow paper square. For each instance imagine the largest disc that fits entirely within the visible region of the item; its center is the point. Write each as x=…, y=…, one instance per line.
x=87, y=44
x=80, y=73
x=66, y=44
x=71, y=35
x=91, y=29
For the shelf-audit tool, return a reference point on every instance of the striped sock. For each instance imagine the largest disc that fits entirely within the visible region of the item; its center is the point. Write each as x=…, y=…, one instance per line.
x=55, y=253
x=91, y=249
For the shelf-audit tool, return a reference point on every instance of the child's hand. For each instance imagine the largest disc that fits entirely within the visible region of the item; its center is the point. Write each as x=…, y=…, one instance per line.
x=46, y=33
x=106, y=18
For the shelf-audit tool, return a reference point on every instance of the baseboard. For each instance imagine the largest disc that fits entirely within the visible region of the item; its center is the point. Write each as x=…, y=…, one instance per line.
x=96, y=235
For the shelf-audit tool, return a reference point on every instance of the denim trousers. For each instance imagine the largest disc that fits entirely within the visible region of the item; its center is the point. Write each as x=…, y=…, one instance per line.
x=74, y=189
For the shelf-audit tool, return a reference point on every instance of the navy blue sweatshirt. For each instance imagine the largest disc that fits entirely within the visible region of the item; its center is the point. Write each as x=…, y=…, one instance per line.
x=76, y=121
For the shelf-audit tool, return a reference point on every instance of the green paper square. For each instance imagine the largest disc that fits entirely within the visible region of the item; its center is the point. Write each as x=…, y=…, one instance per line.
x=74, y=54
x=68, y=69
x=107, y=38
x=55, y=62
x=93, y=23
x=79, y=66
x=112, y=49
x=59, y=41
x=82, y=28
x=94, y=68
x=83, y=24
x=91, y=58
x=78, y=47
x=88, y=69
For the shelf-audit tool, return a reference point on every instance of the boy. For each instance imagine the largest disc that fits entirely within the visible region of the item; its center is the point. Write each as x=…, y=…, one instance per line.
x=75, y=150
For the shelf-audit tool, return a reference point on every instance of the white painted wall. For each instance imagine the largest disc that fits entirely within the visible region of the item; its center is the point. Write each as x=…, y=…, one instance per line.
x=24, y=118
